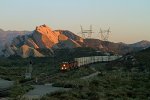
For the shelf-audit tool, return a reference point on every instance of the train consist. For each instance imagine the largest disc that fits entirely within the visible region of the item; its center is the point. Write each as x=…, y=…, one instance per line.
x=78, y=62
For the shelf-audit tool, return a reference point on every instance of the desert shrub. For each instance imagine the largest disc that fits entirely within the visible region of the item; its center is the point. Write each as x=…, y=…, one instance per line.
x=18, y=90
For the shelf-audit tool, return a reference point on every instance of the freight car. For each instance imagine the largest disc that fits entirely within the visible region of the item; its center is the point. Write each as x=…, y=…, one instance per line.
x=78, y=62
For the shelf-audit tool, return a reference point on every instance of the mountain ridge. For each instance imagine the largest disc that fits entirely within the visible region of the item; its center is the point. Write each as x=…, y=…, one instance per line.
x=43, y=37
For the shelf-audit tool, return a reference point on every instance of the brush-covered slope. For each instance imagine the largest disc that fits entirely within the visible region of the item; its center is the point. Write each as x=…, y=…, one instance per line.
x=144, y=56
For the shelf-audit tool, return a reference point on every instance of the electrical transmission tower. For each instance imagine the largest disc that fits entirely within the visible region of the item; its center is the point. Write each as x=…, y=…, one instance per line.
x=86, y=33
x=104, y=34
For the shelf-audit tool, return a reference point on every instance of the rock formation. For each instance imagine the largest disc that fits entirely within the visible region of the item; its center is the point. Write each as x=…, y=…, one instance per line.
x=26, y=51
x=42, y=38
x=43, y=41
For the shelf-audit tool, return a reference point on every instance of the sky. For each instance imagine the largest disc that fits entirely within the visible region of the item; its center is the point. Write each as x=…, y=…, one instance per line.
x=129, y=20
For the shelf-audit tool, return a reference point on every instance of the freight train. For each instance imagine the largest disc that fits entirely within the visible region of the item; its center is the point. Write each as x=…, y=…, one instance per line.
x=82, y=61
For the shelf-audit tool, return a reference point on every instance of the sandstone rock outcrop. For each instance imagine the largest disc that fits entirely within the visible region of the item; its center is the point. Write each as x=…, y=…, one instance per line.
x=26, y=51
x=42, y=38
x=43, y=41
x=45, y=37
x=31, y=43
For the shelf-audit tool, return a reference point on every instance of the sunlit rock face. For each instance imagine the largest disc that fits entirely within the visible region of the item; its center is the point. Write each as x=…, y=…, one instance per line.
x=43, y=41
x=41, y=38
x=45, y=37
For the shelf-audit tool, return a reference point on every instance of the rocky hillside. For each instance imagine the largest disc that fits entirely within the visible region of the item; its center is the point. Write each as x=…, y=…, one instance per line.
x=119, y=48
x=43, y=41
x=42, y=37
x=137, y=61
x=144, y=44
x=7, y=37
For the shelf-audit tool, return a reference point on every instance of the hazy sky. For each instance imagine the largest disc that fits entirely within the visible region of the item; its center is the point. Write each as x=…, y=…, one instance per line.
x=129, y=20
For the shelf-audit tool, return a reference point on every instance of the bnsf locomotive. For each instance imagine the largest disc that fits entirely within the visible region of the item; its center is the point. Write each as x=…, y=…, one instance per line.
x=68, y=65
x=82, y=61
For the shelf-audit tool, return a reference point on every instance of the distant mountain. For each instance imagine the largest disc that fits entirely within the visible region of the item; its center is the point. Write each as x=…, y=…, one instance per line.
x=119, y=48
x=7, y=37
x=42, y=38
x=143, y=44
x=43, y=41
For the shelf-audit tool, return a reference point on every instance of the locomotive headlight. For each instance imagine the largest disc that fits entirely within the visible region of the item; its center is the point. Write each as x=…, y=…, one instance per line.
x=65, y=68
x=64, y=65
x=62, y=68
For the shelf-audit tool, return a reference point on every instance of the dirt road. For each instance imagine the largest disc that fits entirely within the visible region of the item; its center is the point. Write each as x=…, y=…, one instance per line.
x=41, y=90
